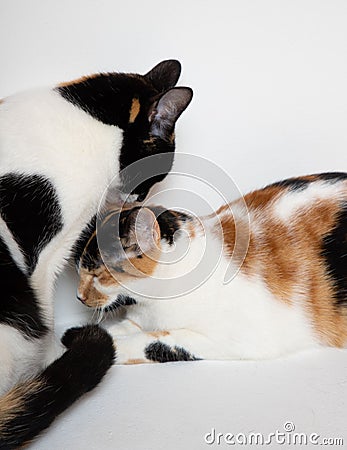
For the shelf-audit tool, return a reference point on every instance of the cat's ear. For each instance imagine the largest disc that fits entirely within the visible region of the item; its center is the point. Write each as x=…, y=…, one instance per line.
x=164, y=75
x=164, y=113
x=141, y=233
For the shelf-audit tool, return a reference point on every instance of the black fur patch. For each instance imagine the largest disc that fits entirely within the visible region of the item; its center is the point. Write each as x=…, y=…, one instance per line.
x=91, y=258
x=334, y=251
x=294, y=184
x=108, y=96
x=333, y=177
x=139, y=179
x=30, y=207
x=169, y=221
x=90, y=354
x=121, y=301
x=300, y=183
x=18, y=305
x=83, y=239
x=160, y=352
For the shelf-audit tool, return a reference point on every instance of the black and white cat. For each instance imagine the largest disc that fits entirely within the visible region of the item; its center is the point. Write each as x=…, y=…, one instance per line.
x=59, y=150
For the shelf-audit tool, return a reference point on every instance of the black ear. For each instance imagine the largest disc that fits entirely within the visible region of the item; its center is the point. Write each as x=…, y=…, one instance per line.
x=164, y=75
x=165, y=112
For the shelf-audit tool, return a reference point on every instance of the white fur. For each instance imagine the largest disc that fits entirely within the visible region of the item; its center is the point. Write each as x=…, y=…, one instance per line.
x=287, y=205
x=21, y=357
x=41, y=133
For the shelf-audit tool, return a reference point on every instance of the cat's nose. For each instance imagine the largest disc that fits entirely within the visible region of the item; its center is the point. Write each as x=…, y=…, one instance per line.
x=80, y=298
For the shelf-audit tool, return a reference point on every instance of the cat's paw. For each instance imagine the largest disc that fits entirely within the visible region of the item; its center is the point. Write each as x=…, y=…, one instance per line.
x=89, y=338
x=89, y=355
x=70, y=335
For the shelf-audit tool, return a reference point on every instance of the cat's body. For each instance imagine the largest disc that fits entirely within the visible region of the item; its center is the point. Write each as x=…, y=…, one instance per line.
x=59, y=149
x=286, y=246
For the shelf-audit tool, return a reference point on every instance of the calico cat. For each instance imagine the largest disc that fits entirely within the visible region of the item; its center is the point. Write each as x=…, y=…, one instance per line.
x=59, y=149
x=289, y=294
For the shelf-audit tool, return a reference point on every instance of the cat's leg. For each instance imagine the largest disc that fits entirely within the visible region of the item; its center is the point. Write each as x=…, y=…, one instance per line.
x=139, y=346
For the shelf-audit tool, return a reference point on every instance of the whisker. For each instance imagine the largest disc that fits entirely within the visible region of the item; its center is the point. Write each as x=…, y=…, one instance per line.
x=93, y=316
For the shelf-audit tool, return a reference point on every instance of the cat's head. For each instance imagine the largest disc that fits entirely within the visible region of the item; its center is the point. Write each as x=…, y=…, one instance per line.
x=151, y=131
x=131, y=243
x=146, y=108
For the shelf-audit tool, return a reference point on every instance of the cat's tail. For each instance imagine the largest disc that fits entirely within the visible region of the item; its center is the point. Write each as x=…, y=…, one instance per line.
x=32, y=406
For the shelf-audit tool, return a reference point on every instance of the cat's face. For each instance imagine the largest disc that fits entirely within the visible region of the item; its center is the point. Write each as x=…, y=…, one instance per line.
x=130, y=243
x=146, y=108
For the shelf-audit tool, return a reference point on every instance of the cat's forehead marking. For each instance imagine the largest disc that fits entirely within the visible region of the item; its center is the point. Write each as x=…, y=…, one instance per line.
x=134, y=110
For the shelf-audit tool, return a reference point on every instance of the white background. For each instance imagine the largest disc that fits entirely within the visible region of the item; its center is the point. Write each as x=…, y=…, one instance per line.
x=270, y=101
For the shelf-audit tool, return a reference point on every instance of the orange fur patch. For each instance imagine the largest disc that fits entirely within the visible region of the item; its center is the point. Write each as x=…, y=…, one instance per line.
x=134, y=110
x=13, y=403
x=136, y=361
x=106, y=277
x=143, y=267
x=192, y=230
x=151, y=140
x=263, y=197
x=158, y=334
x=232, y=230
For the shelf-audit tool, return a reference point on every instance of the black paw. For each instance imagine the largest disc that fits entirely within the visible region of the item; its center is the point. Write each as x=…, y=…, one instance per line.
x=89, y=340
x=89, y=355
x=90, y=352
x=160, y=352
x=71, y=334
